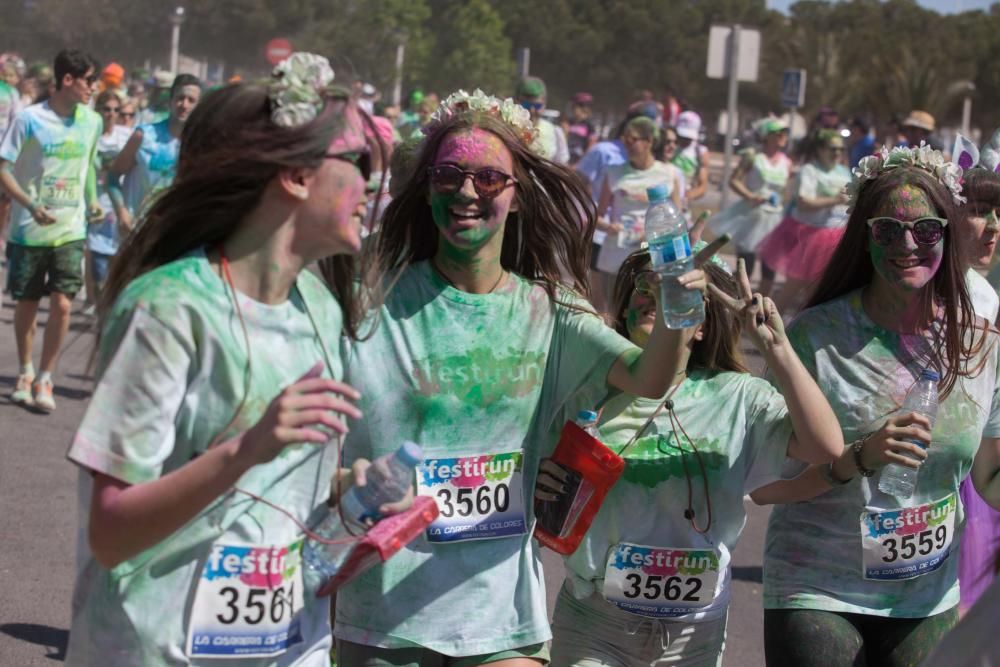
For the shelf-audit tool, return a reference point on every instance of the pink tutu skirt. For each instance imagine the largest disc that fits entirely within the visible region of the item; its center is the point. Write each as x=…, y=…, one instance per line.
x=978, y=551
x=800, y=252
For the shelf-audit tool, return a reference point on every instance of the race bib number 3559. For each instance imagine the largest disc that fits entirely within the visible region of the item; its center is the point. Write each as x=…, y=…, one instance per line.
x=661, y=583
x=478, y=497
x=247, y=602
x=908, y=542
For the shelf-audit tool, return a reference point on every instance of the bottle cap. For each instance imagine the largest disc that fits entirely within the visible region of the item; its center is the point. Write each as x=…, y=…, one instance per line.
x=928, y=374
x=657, y=193
x=586, y=416
x=410, y=453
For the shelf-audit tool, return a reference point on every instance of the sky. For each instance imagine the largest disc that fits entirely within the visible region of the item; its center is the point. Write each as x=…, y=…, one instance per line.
x=943, y=6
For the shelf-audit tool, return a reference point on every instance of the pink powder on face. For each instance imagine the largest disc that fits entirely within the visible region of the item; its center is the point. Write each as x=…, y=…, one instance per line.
x=475, y=147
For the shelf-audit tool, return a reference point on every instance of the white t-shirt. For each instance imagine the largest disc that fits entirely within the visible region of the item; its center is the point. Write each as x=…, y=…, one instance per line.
x=985, y=301
x=102, y=237
x=816, y=183
x=740, y=427
x=628, y=207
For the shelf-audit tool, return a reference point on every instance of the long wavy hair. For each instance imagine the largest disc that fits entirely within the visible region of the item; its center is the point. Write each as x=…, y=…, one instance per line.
x=230, y=150
x=719, y=348
x=851, y=268
x=547, y=238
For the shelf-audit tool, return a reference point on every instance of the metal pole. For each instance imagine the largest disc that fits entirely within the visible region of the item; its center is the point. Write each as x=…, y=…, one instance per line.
x=524, y=62
x=734, y=83
x=966, y=115
x=176, y=19
x=397, y=87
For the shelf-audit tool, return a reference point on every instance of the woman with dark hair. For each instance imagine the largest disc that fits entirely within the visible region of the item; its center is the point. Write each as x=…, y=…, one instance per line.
x=800, y=246
x=649, y=584
x=149, y=160
x=206, y=443
x=480, y=355
x=852, y=574
x=622, y=207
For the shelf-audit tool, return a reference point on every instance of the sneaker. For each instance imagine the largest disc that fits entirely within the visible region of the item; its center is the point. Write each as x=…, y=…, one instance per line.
x=43, y=396
x=22, y=390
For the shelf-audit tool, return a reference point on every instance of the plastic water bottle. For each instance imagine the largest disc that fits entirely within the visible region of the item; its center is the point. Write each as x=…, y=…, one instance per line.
x=898, y=480
x=587, y=420
x=670, y=252
x=774, y=199
x=359, y=504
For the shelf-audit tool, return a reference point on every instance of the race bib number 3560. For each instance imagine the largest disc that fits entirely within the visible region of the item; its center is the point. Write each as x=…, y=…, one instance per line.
x=248, y=602
x=661, y=583
x=478, y=497
x=908, y=542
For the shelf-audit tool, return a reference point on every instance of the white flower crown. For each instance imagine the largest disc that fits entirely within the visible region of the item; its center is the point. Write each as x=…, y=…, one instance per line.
x=923, y=157
x=507, y=110
x=298, y=88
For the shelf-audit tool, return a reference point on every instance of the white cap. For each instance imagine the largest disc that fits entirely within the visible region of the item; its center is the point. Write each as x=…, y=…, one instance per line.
x=688, y=125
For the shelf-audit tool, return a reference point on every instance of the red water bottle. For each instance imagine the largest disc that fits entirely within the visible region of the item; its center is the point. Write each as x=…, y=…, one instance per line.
x=592, y=469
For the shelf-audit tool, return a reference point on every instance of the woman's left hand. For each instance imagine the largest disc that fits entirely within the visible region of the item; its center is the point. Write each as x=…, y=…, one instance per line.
x=759, y=314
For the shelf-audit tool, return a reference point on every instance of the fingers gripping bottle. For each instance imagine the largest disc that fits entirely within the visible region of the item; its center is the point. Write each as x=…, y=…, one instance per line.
x=670, y=253
x=898, y=480
x=360, y=504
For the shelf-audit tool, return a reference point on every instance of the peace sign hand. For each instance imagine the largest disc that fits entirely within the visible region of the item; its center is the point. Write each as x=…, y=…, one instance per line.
x=760, y=316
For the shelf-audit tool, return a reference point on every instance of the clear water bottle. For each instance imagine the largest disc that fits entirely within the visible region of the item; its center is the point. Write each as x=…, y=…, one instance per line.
x=358, y=505
x=587, y=420
x=670, y=252
x=898, y=480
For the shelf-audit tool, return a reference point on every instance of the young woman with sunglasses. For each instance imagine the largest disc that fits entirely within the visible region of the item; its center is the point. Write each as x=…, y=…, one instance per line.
x=800, y=247
x=103, y=236
x=149, y=160
x=480, y=354
x=623, y=203
x=207, y=442
x=649, y=584
x=855, y=575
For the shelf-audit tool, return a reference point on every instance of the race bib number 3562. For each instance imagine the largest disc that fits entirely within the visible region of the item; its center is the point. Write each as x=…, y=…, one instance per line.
x=908, y=542
x=247, y=603
x=661, y=583
x=478, y=497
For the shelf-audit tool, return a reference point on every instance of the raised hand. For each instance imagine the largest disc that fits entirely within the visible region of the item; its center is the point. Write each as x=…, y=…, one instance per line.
x=759, y=314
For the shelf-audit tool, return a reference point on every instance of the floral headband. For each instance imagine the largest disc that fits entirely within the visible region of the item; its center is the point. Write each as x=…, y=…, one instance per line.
x=298, y=89
x=506, y=110
x=923, y=157
x=967, y=156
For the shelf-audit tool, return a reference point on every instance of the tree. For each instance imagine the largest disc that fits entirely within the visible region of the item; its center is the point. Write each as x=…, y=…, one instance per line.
x=472, y=50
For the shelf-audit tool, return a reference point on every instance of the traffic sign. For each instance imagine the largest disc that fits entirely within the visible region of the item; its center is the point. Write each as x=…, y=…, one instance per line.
x=277, y=50
x=793, y=88
x=720, y=39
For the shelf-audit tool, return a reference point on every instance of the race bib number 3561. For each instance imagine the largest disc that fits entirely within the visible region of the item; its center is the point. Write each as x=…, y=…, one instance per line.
x=661, y=583
x=247, y=603
x=478, y=497
x=908, y=542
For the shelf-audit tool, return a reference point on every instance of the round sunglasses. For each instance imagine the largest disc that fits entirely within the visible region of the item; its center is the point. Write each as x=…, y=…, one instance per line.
x=360, y=159
x=926, y=231
x=488, y=183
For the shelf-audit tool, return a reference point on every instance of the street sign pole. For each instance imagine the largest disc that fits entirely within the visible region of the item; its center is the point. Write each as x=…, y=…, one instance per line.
x=734, y=85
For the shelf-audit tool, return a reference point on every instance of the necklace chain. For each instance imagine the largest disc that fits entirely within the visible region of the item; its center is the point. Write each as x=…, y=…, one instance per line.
x=448, y=280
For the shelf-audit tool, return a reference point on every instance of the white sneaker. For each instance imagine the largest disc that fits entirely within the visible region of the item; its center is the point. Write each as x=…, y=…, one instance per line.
x=43, y=396
x=22, y=390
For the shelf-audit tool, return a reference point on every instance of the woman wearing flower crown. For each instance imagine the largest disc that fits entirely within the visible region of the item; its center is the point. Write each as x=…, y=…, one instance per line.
x=800, y=247
x=216, y=371
x=852, y=574
x=650, y=582
x=481, y=353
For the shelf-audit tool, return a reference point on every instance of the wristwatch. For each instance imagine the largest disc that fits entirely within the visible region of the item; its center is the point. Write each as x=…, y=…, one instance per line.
x=830, y=478
x=856, y=451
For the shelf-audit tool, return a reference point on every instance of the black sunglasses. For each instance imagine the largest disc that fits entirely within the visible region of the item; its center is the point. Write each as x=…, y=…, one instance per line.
x=488, y=183
x=926, y=231
x=92, y=79
x=360, y=159
x=114, y=110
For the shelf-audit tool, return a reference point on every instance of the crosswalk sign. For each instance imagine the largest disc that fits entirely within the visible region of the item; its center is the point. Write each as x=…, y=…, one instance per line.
x=793, y=88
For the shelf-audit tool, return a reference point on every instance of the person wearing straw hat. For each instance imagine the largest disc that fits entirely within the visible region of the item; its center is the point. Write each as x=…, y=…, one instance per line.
x=918, y=127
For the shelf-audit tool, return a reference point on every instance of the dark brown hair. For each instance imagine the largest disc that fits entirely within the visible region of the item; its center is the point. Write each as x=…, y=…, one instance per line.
x=981, y=187
x=719, y=349
x=230, y=150
x=546, y=238
x=851, y=268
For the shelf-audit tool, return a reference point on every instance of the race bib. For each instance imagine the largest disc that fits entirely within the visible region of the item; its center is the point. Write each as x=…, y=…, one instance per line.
x=60, y=192
x=479, y=497
x=908, y=542
x=248, y=602
x=661, y=583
